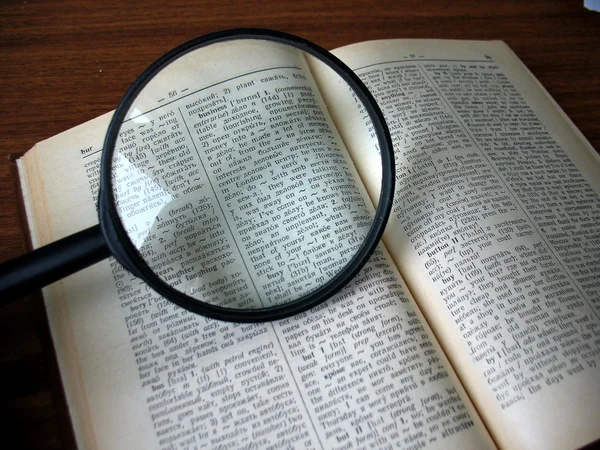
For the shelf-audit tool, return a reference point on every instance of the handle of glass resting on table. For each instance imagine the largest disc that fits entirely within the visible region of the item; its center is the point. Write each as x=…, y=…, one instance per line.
x=34, y=270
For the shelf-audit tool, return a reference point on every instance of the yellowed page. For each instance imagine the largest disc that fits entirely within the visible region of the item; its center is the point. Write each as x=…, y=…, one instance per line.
x=359, y=370
x=495, y=228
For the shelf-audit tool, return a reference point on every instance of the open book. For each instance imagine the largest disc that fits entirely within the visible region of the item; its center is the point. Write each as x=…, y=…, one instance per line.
x=475, y=324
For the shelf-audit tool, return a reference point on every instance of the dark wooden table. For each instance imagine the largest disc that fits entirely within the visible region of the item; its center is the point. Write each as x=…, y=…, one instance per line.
x=63, y=62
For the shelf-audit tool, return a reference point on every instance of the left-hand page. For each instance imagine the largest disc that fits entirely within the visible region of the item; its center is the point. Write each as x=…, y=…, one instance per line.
x=96, y=322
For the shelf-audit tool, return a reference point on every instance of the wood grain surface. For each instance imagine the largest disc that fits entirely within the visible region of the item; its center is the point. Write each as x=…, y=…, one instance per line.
x=63, y=62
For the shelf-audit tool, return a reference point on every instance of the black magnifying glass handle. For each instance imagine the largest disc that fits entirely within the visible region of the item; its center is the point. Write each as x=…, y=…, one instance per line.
x=34, y=270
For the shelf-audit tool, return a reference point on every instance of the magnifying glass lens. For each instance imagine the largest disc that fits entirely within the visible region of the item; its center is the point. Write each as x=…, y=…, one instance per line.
x=232, y=181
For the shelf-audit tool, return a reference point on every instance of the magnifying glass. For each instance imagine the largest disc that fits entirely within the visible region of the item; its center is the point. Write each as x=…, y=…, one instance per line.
x=225, y=184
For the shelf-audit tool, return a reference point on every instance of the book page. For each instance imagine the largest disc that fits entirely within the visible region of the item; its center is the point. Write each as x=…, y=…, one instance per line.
x=495, y=229
x=358, y=371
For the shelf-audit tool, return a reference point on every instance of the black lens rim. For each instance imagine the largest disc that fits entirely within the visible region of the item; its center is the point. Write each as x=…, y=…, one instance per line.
x=125, y=252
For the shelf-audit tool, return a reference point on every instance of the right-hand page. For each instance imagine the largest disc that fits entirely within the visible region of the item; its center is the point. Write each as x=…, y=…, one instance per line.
x=495, y=227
